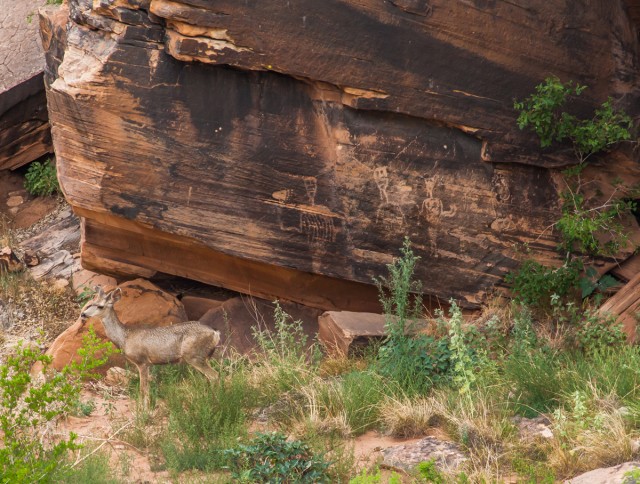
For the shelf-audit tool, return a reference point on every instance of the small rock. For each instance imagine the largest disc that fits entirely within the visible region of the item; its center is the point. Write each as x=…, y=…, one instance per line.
x=83, y=279
x=15, y=201
x=60, y=284
x=31, y=258
x=447, y=455
x=116, y=377
x=606, y=475
x=531, y=428
x=9, y=261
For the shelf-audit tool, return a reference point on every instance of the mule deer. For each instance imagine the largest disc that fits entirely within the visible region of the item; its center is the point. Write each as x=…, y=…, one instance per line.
x=190, y=342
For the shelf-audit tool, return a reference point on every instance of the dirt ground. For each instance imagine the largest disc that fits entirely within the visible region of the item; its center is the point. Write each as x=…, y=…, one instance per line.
x=113, y=417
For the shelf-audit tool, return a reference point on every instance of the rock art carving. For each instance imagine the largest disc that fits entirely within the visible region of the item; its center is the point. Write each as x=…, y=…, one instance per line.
x=432, y=210
x=389, y=210
x=314, y=221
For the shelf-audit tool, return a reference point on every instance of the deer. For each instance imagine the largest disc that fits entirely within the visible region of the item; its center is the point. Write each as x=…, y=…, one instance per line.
x=189, y=342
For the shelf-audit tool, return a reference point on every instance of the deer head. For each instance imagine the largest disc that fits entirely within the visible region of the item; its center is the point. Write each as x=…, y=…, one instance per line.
x=101, y=303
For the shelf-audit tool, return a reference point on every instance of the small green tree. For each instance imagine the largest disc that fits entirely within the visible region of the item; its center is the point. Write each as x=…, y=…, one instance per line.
x=587, y=228
x=582, y=224
x=29, y=404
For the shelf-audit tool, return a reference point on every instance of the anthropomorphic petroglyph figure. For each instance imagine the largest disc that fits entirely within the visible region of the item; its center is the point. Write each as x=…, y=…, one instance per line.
x=390, y=210
x=381, y=177
x=501, y=188
x=432, y=210
x=311, y=188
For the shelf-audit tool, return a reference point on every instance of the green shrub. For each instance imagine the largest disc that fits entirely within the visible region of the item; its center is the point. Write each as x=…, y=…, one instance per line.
x=534, y=284
x=595, y=332
x=28, y=404
x=414, y=362
x=285, y=360
x=461, y=356
x=584, y=224
x=272, y=458
x=429, y=472
x=544, y=113
x=41, y=179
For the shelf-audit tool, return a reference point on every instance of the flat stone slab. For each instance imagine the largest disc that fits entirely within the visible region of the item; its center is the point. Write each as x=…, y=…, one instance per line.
x=607, y=475
x=341, y=331
x=533, y=428
x=447, y=455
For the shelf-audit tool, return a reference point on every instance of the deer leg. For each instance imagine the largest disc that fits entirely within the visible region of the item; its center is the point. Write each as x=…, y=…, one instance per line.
x=143, y=370
x=203, y=367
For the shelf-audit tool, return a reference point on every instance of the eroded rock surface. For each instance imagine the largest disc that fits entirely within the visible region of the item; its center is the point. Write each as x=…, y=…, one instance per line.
x=608, y=475
x=24, y=127
x=286, y=151
x=446, y=455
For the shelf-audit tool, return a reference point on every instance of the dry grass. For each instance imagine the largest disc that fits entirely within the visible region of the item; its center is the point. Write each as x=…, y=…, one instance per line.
x=36, y=310
x=406, y=417
x=594, y=433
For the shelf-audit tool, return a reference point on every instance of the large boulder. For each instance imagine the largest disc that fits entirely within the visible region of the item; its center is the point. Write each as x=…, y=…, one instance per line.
x=24, y=126
x=340, y=127
x=142, y=303
x=238, y=317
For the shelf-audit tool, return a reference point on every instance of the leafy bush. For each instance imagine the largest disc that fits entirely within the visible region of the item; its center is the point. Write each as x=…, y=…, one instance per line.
x=543, y=113
x=413, y=361
x=586, y=227
x=28, y=405
x=429, y=472
x=461, y=355
x=582, y=225
x=285, y=360
x=595, y=332
x=41, y=179
x=271, y=458
x=534, y=284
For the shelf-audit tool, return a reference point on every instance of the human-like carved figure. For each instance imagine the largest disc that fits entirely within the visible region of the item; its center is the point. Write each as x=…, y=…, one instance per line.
x=381, y=177
x=501, y=188
x=311, y=187
x=432, y=210
x=389, y=210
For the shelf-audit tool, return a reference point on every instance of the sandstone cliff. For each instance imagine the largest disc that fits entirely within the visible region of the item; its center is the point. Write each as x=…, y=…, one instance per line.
x=286, y=148
x=24, y=127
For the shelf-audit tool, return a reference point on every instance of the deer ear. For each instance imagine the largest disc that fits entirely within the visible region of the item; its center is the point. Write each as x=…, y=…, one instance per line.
x=116, y=294
x=99, y=291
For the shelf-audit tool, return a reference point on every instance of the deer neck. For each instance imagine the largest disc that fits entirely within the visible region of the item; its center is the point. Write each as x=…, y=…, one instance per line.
x=113, y=327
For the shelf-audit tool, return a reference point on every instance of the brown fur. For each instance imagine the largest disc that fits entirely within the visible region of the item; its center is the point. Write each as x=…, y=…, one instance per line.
x=190, y=342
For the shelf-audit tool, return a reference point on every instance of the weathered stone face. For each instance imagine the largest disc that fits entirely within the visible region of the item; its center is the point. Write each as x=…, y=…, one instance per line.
x=338, y=130
x=24, y=130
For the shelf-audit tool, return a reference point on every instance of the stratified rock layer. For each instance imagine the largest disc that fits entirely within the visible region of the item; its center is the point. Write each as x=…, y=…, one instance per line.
x=287, y=150
x=24, y=127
